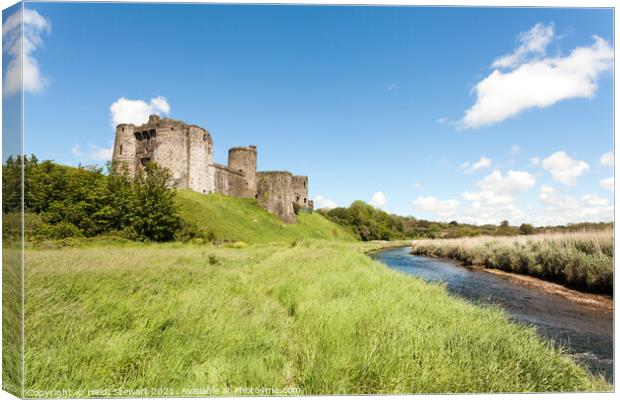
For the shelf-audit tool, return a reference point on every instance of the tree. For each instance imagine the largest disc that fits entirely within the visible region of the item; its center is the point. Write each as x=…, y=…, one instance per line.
x=155, y=214
x=526, y=229
x=504, y=224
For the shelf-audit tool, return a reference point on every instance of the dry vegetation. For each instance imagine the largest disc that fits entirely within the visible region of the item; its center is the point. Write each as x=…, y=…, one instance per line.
x=579, y=259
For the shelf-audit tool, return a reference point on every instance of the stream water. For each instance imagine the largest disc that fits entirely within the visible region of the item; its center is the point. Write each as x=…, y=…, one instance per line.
x=587, y=332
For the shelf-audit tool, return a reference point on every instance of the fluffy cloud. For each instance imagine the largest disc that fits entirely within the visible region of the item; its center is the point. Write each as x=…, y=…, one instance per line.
x=441, y=208
x=469, y=168
x=531, y=81
x=607, y=159
x=19, y=42
x=323, y=202
x=126, y=111
x=94, y=153
x=562, y=209
x=101, y=154
x=608, y=183
x=564, y=169
x=378, y=200
x=532, y=42
x=535, y=161
x=512, y=182
x=494, y=201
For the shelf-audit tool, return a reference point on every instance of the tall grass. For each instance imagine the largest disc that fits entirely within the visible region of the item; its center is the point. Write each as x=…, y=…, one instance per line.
x=315, y=315
x=580, y=259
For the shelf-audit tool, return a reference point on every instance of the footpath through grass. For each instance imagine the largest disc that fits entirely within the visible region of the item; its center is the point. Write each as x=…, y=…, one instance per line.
x=318, y=315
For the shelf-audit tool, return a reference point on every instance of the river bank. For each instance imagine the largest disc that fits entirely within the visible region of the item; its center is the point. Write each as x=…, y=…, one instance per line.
x=582, y=324
x=579, y=260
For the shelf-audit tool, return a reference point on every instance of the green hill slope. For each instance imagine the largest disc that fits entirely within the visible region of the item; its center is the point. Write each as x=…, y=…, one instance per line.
x=235, y=219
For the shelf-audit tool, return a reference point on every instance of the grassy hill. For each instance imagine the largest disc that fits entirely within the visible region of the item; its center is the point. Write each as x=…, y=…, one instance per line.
x=235, y=219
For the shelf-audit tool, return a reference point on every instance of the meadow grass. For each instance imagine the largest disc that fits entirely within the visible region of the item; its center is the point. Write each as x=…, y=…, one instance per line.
x=237, y=219
x=316, y=315
x=579, y=259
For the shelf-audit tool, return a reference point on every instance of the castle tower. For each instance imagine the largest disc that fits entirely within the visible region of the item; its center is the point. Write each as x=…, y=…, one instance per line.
x=275, y=194
x=300, y=191
x=124, y=153
x=243, y=160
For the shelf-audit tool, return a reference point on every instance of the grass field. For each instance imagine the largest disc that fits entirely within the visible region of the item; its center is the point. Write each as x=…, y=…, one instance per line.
x=315, y=315
x=235, y=219
x=579, y=259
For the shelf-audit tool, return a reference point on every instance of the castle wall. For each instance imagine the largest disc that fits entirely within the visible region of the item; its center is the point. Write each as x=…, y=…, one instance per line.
x=187, y=152
x=275, y=194
x=300, y=191
x=243, y=160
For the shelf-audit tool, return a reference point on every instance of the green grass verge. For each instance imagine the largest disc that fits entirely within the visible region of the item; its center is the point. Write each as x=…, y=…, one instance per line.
x=319, y=316
x=235, y=219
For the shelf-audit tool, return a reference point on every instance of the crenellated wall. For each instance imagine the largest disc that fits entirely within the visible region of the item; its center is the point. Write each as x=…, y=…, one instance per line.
x=187, y=152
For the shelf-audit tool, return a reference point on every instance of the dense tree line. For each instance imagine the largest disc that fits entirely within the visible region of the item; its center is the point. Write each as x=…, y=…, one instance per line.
x=62, y=201
x=370, y=223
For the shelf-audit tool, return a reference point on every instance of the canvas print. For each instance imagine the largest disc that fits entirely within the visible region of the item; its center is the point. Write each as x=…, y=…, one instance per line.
x=291, y=200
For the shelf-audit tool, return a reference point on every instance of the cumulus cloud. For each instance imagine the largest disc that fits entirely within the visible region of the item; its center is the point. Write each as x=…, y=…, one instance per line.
x=607, y=159
x=535, y=161
x=561, y=209
x=608, y=183
x=323, y=202
x=564, y=169
x=101, y=153
x=532, y=42
x=441, y=208
x=19, y=42
x=494, y=201
x=378, y=200
x=469, y=168
x=126, y=111
x=525, y=79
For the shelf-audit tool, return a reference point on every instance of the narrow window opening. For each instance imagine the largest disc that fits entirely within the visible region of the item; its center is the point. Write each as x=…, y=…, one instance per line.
x=121, y=149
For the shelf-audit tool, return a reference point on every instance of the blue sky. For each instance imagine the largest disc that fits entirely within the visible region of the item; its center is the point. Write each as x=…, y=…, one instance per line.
x=382, y=104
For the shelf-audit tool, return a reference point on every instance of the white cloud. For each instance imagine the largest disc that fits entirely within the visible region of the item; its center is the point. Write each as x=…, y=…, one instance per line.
x=563, y=209
x=441, y=208
x=417, y=185
x=126, y=111
x=607, y=159
x=469, y=168
x=378, y=200
x=442, y=120
x=19, y=44
x=76, y=150
x=323, y=202
x=101, y=154
x=515, y=150
x=532, y=42
x=564, y=169
x=608, y=183
x=537, y=82
x=535, y=161
x=512, y=182
x=494, y=201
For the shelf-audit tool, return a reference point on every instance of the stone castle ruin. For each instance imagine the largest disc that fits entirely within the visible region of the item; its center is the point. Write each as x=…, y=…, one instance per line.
x=187, y=152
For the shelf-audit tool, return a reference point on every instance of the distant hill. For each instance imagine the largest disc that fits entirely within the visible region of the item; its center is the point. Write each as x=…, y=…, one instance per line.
x=236, y=219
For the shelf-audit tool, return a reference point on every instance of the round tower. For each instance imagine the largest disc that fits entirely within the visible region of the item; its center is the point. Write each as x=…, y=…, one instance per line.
x=243, y=160
x=124, y=153
x=275, y=193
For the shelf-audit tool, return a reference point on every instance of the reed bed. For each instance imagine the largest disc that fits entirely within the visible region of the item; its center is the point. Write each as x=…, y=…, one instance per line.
x=583, y=260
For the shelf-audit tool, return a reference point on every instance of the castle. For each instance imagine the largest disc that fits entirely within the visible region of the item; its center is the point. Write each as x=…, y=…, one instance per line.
x=187, y=152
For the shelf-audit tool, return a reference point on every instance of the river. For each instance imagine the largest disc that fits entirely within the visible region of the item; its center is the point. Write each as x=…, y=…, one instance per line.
x=586, y=331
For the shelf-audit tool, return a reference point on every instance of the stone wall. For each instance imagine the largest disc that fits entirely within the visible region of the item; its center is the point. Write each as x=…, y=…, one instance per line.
x=187, y=152
x=300, y=191
x=275, y=194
